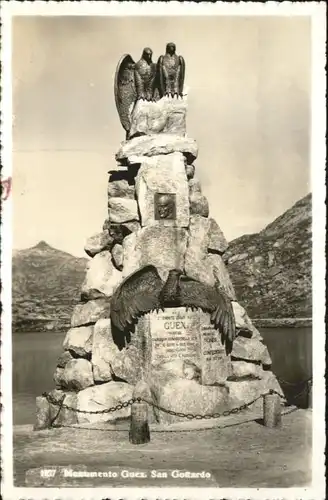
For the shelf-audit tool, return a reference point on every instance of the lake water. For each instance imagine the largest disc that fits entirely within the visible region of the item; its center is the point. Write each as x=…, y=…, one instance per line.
x=35, y=356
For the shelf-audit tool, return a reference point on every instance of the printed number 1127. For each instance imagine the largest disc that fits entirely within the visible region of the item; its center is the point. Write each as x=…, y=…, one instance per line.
x=48, y=472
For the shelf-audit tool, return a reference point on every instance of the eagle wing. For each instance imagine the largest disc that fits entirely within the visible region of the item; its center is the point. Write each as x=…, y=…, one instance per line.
x=136, y=295
x=210, y=299
x=125, y=89
x=160, y=76
x=181, y=74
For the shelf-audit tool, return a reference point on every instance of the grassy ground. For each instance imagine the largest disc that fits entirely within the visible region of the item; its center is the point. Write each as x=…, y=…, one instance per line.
x=238, y=455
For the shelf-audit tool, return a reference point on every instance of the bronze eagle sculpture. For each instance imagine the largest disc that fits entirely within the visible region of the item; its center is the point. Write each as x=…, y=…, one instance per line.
x=171, y=70
x=134, y=81
x=144, y=291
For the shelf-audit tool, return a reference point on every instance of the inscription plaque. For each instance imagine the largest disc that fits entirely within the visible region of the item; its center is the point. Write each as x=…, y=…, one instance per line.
x=214, y=360
x=177, y=334
x=174, y=335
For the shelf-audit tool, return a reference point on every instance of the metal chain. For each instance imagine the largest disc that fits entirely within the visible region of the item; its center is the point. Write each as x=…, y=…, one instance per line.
x=294, y=384
x=189, y=416
x=120, y=406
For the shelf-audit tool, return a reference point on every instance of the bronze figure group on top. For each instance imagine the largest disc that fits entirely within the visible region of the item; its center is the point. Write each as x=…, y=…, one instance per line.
x=147, y=80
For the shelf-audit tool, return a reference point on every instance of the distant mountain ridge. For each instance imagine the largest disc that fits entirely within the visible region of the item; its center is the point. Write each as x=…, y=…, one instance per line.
x=46, y=284
x=272, y=270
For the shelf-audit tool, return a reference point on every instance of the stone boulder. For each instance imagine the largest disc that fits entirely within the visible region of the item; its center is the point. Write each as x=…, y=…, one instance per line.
x=79, y=341
x=122, y=210
x=196, y=265
x=185, y=396
x=77, y=375
x=163, y=247
x=163, y=174
x=154, y=145
x=89, y=312
x=245, y=391
x=190, y=171
x=245, y=370
x=58, y=376
x=181, y=368
x=104, y=351
x=216, y=240
x=198, y=204
x=103, y=397
x=101, y=278
x=97, y=243
x=117, y=256
x=250, y=349
x=220, y=273
x=241, y=318
x=119, y=231
x=120, y=188
x=194, y=185
x=63, y=359
x=63, y=416
x=127, y=364
x=164, y=116
x=42, y=414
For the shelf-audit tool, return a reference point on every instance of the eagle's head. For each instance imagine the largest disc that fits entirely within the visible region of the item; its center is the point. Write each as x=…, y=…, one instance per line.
x=170, y=48
x=147, y=54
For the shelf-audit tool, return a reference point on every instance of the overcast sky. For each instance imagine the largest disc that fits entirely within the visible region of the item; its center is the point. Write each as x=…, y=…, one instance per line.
x=249, y=111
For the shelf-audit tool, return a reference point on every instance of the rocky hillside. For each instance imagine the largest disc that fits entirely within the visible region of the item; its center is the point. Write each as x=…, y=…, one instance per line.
x=271, y=270
x=46, y=285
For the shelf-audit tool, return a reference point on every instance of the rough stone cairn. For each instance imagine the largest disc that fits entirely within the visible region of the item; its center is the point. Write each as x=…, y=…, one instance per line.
x=173, y=358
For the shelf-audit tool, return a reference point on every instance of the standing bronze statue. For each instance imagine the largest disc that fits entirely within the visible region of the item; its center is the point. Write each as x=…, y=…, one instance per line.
x=134, y=81
x=147, y=81
x=145, y=76
x=171, y=72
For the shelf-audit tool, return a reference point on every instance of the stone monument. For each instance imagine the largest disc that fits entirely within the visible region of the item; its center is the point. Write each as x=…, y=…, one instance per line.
x=122, y=344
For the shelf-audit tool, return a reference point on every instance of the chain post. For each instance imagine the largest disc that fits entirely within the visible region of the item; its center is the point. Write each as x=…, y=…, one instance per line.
x=139, y=427
x=43, y=419
x=271, y=409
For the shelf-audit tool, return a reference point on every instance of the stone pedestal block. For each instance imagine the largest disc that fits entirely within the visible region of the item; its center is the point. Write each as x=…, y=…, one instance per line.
x=164, y=116
x=154, y=145
x=163, y=247
x=162, y=191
